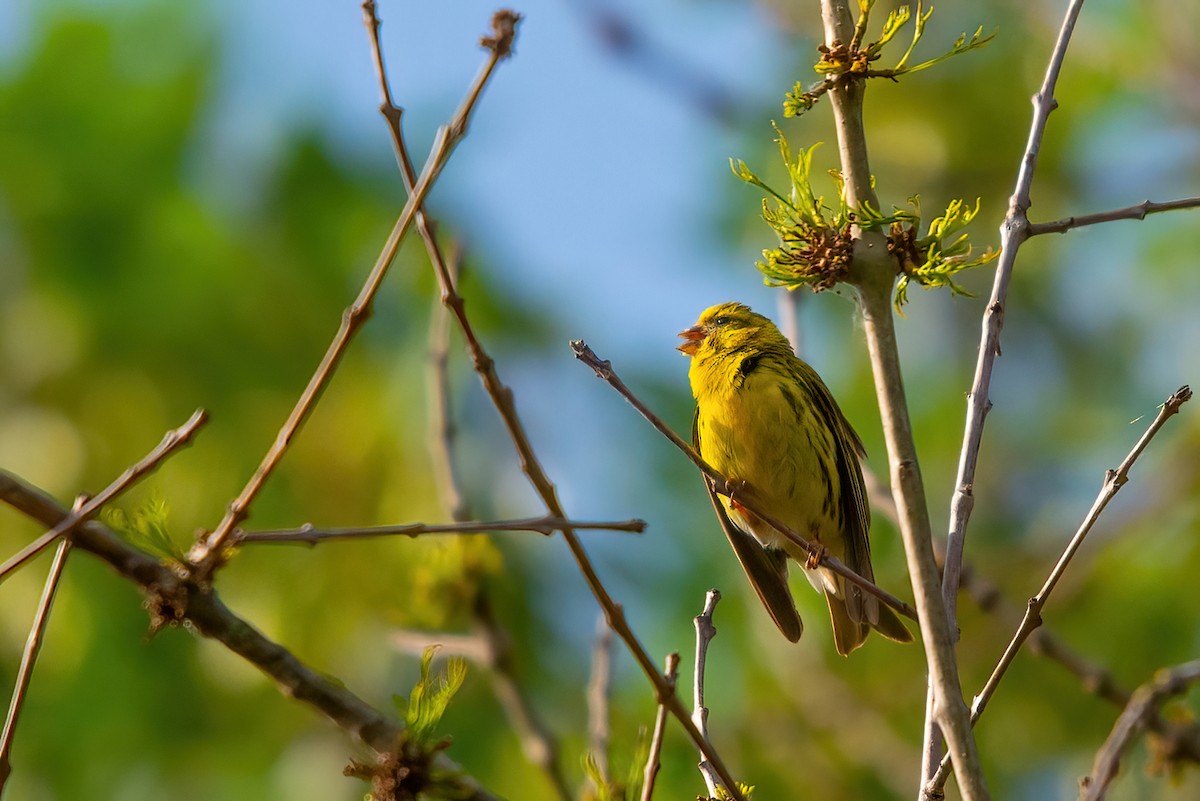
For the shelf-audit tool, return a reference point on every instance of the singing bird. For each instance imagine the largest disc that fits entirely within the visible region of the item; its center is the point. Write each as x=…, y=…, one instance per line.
x=766, y=421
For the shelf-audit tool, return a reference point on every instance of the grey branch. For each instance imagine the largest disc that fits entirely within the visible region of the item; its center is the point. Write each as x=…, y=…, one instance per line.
x=1113, y=481
x=545, y=525
x=1135, y=212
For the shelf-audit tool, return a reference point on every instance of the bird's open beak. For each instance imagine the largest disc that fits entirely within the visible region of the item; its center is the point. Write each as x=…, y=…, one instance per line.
x=693, y=336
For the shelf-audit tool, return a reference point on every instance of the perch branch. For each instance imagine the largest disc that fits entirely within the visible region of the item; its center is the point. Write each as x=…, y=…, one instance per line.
x=604, y=370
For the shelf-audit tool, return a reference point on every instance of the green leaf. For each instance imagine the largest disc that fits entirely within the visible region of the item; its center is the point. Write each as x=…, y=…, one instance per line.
x=431, y=695
x=145, y=528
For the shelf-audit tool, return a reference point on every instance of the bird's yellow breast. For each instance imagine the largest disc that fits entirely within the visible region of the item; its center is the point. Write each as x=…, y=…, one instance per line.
x=763, y=431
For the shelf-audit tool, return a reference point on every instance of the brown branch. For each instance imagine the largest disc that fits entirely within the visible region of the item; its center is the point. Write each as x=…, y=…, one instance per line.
x=1136, y=212
x=208, y=554
x=1145, y=704
x=653, y=760
x=536, y=742
x=33, y=645
x=604, y=370
x=502, y=399
x=546, y=526
x=179, y=600
x=173, y=441
x=1113, y=481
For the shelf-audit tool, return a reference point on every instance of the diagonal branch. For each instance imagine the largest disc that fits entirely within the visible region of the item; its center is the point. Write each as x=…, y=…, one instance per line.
x=603, y=369
x=1142, y=707
x=33, y=645
x=545, y=525
x=1013, y=232
x=186, y=601
x=502, y=398
x=653, y=762
x=173, y=441
x=1136, y=212
x=536, y=741
x=208, y=554
x=1113, y=481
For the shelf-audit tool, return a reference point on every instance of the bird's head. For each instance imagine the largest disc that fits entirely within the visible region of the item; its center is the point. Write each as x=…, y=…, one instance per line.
x=728, y=328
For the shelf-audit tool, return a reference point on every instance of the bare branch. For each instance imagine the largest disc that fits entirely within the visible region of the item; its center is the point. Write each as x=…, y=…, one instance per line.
x=705, y=631
x=536, y=741
x=1181, y=740
x=173, y=441
x=598, y=689
x=209, y=553
x=1136, y=212
x=653, y=761
x=1113, y=481
x=33, y=646
x=1145, y=704
x=545, y=526
x=604, y=370
x=1013, y=232
x=177, y=600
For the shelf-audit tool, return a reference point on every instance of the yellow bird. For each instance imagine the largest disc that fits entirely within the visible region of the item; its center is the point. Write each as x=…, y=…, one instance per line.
x=766, y=421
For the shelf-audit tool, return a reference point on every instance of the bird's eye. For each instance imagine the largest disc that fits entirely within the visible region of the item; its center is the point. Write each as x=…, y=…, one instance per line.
x=722, y=320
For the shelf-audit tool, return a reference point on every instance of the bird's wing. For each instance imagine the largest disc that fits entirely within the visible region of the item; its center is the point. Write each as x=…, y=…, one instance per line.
x=854, y=507
x=765, y=568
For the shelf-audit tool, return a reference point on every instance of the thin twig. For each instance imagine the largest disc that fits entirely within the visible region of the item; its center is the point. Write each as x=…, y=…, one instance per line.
x=208, y=553
x=1181, y=740
x=546, y=526
x=33, y=645
x=1135, y=212
x=186, y=601
x=1146, y=702
x=442, y=429
x=653, y=760
x=1013, y=232
x=536, y=741
x=598, y=689
x=604, y=370
x=1113, y=481
x=173, y=441
x=705, y=631
x=502, y=399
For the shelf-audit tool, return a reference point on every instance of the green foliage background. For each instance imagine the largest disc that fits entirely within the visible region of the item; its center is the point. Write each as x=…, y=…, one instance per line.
x=130, y=294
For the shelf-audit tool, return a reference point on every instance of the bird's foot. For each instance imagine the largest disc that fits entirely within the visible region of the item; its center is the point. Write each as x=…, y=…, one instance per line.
x=816, y=553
